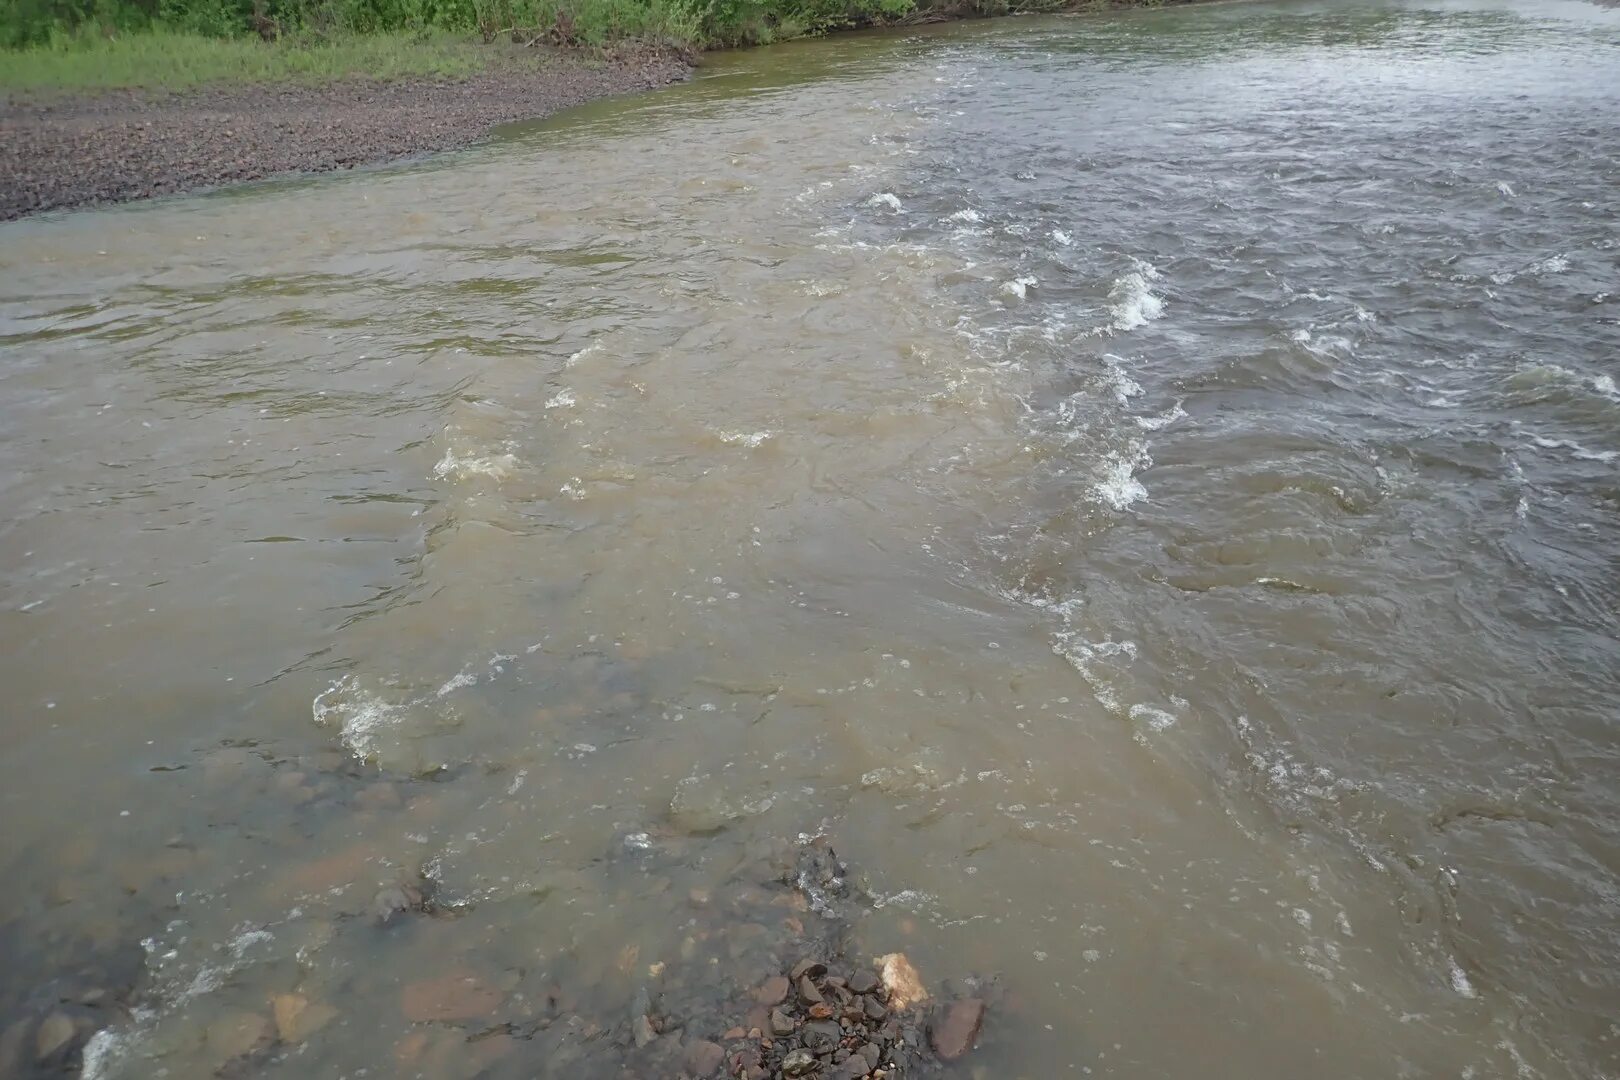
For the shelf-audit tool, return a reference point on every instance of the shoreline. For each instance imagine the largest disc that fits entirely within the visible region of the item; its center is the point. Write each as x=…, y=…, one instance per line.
x=69, y=150
x=76, y=150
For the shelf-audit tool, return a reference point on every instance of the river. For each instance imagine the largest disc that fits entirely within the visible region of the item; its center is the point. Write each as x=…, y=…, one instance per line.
x=1143, y=487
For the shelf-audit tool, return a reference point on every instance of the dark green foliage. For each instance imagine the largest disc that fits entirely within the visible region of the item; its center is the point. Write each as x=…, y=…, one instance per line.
x=689, y=23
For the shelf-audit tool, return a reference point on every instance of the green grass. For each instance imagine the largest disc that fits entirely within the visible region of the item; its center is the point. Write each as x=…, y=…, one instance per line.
x=166, y=59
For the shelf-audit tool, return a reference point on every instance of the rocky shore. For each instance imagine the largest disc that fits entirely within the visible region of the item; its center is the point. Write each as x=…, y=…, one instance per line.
x=63, y=152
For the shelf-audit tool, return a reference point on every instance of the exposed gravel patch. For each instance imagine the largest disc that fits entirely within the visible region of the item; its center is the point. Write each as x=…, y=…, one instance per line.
x=74, y=151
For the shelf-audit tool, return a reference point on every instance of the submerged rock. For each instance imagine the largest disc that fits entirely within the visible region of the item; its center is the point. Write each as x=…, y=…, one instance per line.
x=799, y=1063
x=55, y=1035
x=901, y=981
x=953, y=1034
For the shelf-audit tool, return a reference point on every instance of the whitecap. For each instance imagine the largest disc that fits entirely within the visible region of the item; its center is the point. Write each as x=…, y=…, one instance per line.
x=1062, y=237
x=749, y=439
x=1163, y=420
x=1152, y=718
x=969, y=216
x=1506, y=189
x=1116, y=483
x=361, y=717
x=588, y=351
x=1018, y=286
x=562, y=399
x=496, y=466
x=1135, y=304
x=886, y=198
x=1575, y=449
x=1123, y=386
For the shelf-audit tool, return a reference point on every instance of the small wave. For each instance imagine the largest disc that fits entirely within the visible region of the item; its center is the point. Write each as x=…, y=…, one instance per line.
x=1018, y=286
x=1152, y=718
x=1163, y=420
x=887, y=198
x=749, y=439
x=361, y=717
x=1117, y=486
x=969, y=217
x=454, y=466
x=1575, y=449
x=1134, y=302
x=1123, y=386
x=1506, y=189
x=1062, y=238
x=583, y=354
x=562, y=399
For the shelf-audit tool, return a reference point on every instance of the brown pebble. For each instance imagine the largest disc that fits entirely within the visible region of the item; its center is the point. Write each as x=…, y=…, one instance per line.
x=808, y=992
x=954, y=1034
x=813, y=968
x=704, y=1057
x=773, y=991
x=54, y=1034
x=456, y=996
x=733, y=1033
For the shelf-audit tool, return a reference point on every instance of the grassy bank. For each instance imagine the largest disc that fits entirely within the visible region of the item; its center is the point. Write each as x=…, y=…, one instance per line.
x=102, y=44
x=162, y=58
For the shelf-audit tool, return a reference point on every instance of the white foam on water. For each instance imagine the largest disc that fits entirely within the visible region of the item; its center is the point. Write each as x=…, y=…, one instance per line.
x=453, y=466
x=1506, y=189
x=749, y=439
x=1575, y=449
x=1163, y=420
x=583, y=354
x=562, y=399
x=1152, y=718
x=361, y=717
x=887, y=198
x=1134, y=302
x=1018, y=286
x=105, y=1048
x=1062, y=238
x=456, y=682
x=1117, y=485
x=1553, y=264
x=1604, y=384
x=1123, y=386
x=968, y=216
x=1459, y=979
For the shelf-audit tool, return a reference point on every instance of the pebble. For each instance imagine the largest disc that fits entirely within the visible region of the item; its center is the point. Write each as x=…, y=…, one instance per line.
x=773, y=991
x=781, y=1023
x=799, y=1063
x=808, y=992
x=238, y=1034
x=900, y=979
x=297, y=1019
x=953, y=1035
x=642, y=1030
x=704, y=1057
x=457, y=996
x=55, y=1033
x=821, y=1037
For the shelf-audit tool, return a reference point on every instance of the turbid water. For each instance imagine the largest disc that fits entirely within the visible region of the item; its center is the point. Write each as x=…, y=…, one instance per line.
x=1144, y=487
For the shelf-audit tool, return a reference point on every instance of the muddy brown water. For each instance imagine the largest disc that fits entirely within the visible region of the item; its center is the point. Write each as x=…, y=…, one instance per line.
x=1143, y=486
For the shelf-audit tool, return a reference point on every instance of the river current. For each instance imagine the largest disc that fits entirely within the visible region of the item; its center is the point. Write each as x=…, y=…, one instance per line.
x=1144, y=487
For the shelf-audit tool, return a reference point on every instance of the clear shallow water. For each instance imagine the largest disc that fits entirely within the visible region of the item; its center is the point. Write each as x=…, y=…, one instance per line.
x=1144, y=486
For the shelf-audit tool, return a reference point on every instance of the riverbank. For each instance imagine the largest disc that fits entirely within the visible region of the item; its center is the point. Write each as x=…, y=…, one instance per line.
x=66, y=150
x=147, y=117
